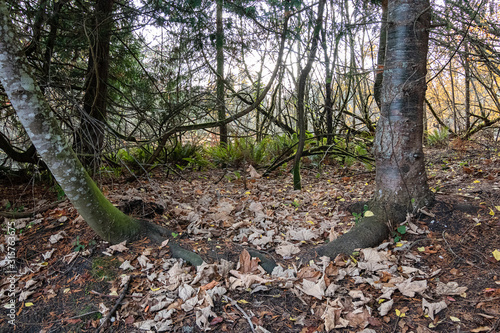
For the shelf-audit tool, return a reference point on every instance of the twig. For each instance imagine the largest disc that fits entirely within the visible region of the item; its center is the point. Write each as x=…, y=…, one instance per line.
x=75, y=317
x=396, y=325
x=29, y=213
x=113, y=310
x=233, y=302
x=103, y=295
x=218, y=181
x=494, y=328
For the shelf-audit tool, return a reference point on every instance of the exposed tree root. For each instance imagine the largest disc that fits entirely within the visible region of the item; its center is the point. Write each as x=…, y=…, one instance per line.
x=369, y=232
x=158, y=234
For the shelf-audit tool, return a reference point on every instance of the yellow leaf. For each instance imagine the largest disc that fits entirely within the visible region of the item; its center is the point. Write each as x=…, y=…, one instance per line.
x=342, y=199
x=67, y=290
x=28, y=304
x=455, y=319
x=310, y=222
x=399, y=244
x=381, y=301
x=248, y=193
x=492, y=213
x=496, y=254
x=400, y=314
x=498, y=208
x=421, y=249
x=477, y=181
x=242, y=301
x=155, y=289
x=369, y=213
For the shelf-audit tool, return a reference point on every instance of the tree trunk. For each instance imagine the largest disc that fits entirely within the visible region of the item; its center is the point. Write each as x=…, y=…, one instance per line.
x=90, y=137
x=401, y=178
x=379, y=72
x=301, y=121
x=401, y=181
x=41, y=126
x=221, y=106
x=467, y=86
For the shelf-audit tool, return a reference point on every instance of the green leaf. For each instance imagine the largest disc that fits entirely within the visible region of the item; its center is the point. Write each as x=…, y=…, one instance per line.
x=401, y=229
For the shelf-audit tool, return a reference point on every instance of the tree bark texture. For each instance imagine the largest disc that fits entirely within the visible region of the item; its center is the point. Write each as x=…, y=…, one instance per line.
x=401, y=180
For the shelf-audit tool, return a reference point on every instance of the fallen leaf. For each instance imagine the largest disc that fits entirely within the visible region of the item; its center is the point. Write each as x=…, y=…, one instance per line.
x=481, y=329
x=496, y=255
x=247, y=263
x=385, y=307
x=120, y=247
x=451, y=288
x=432, y=309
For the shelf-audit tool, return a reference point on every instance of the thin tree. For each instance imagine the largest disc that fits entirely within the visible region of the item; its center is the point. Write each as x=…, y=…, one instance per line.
x=304, y=73
x=219, y=45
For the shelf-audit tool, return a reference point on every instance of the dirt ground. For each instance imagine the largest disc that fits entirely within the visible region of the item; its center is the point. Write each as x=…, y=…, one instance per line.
x=72, y=288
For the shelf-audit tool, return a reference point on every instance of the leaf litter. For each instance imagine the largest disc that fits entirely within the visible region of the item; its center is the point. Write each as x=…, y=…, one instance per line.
x=420, y=284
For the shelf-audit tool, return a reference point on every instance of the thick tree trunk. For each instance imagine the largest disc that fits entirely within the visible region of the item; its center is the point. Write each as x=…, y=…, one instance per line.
x=401, y=181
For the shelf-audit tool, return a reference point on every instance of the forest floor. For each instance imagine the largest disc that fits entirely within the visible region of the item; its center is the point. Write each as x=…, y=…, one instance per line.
x=442, y=275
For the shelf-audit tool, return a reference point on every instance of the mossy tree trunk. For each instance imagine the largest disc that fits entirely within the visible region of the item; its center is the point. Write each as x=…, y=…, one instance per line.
x=41, y=126
x=401, y=181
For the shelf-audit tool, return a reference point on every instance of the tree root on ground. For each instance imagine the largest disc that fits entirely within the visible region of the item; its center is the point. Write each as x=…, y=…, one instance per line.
x=369, y=232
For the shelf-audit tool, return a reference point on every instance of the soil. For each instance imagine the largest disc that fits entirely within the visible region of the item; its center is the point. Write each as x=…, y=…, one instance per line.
x=78, y=282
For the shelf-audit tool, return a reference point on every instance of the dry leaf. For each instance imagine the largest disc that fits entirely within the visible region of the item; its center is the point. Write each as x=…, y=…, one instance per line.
x=247, y=263
x=253, y=173
x=432, y=309
x=385, y=307
x=287, y=250
x=451, y=288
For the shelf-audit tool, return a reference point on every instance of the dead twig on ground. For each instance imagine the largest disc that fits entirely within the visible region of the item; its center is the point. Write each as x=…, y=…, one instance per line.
x=233, y=302
x=30, y=213
x=100, y=329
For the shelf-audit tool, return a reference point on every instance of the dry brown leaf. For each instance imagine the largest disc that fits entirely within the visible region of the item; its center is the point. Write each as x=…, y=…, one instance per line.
x=308, y=273
x=247, y=263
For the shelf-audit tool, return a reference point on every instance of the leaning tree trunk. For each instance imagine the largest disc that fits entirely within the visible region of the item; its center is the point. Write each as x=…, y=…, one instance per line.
x=401, y=181
x=41, y=126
